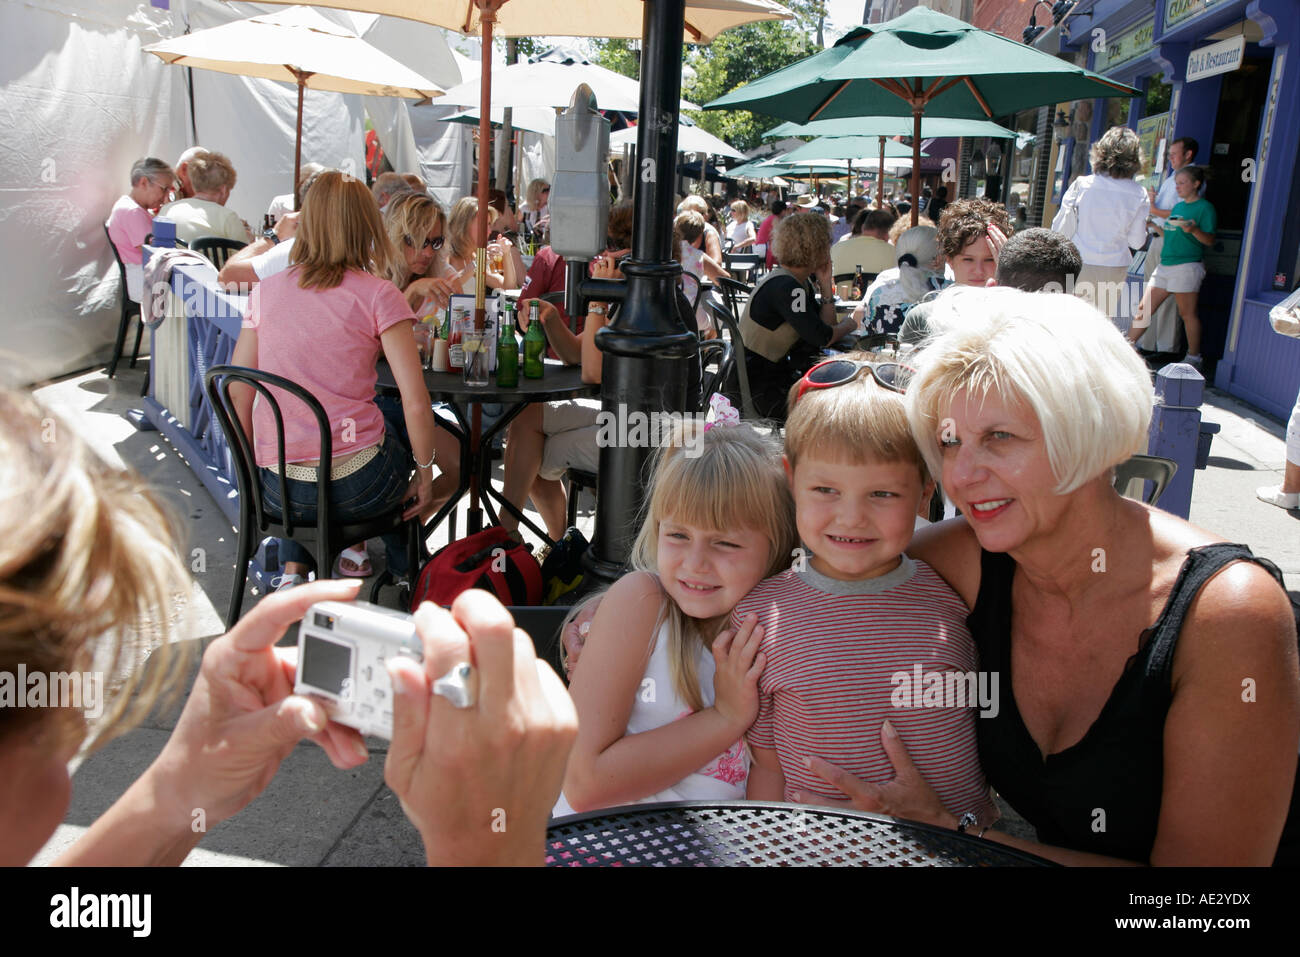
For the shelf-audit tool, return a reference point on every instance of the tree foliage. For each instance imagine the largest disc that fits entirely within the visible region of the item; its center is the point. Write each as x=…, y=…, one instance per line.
x=737, y=56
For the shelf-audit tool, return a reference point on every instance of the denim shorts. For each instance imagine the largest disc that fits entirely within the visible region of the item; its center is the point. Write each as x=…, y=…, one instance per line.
x=376, y=488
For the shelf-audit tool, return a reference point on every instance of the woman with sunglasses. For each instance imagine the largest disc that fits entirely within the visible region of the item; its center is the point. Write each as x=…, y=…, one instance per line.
x=790, y=317
x=1149, y=704
x=417, y=227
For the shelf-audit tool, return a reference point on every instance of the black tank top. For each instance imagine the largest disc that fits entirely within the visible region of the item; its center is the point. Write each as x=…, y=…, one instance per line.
x=1101, y=795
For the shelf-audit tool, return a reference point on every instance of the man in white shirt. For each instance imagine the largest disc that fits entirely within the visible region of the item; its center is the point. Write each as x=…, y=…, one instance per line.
x=1162, y=336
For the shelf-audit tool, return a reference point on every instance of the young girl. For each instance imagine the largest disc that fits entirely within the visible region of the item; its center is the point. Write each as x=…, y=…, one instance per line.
x=1188, y=232
x=663, y=694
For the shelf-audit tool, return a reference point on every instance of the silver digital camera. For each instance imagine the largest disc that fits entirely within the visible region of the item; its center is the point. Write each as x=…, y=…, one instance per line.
x=343, y=651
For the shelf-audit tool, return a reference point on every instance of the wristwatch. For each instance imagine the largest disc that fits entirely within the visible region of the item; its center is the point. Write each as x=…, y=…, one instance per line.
x=270, y=234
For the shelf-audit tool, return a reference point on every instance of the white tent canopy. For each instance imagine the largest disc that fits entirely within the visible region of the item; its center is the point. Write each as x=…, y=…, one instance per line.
x=82, y=102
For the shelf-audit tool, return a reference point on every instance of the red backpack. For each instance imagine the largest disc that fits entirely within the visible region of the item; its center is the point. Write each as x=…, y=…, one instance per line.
x=490, y=560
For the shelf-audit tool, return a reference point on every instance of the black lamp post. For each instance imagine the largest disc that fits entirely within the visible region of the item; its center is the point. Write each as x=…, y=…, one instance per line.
x=647, y=348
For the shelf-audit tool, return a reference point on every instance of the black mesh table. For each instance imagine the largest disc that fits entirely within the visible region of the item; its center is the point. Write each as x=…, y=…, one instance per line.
x=754, y=834
x=558, y=382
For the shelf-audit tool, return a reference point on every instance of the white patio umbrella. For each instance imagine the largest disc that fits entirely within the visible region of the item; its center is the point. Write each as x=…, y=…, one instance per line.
x=705, y=19
x=533, y=119
x=690, y=139
x=551, y=82
x=297, y=46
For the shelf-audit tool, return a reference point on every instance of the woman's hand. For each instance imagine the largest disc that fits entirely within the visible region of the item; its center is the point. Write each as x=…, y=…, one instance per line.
x=574, y=637
x=437, y=288
x=907, y=795
x=996, y=239
x=825, y=281
x=420, y=489
x=605, y=266
x=739, y=663
x=479, y=783
x=242, y=718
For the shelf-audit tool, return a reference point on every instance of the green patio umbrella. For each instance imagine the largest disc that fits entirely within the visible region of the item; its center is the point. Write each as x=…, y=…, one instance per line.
x=922, y=62
x=886, y=126
x=931, y=127
x=853, y=149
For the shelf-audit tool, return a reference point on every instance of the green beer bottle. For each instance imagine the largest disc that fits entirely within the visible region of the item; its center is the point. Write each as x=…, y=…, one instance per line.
x=534, y=343
x=507, y=352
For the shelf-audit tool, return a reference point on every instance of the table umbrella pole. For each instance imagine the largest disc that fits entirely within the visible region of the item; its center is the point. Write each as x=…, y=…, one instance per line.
x=645, y=348
x=487, y=17
x=917, y=108
x=297, y=143
x=880, y=177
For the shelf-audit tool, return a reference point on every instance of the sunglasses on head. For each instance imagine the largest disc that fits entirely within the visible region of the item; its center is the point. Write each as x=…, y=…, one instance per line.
x=435, y=244
x=832, y=372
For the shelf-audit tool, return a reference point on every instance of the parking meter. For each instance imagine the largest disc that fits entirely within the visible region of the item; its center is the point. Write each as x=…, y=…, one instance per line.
x=579, y=203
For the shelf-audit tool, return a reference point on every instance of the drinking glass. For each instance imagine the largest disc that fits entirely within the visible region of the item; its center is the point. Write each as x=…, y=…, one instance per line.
x=475, y=344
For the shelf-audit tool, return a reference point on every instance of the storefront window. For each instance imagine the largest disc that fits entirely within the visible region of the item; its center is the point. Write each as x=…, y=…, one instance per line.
x=1022, y=164
x=1157, y=96
x=1116, y=114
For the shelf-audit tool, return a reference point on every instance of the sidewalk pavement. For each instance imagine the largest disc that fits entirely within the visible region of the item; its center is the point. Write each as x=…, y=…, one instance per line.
x=312, y=813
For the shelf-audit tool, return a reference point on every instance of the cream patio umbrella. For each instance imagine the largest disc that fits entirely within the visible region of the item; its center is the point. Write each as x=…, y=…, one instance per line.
x=704, y=20
x=296, y=46
x=701, y=22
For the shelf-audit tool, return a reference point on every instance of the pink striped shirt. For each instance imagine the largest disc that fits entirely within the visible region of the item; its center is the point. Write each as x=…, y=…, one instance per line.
x=834, y=651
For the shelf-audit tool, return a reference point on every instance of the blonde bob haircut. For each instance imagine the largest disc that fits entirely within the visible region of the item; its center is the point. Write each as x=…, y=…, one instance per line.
x=340, y=230
x=727, y=478
x=857, y=423
x=89, y=580
x=802, y=241
x=413, y=215
x=1057, y=355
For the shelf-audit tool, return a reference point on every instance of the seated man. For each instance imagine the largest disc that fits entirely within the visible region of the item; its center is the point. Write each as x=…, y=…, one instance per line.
x=205, y=214
x=1039, y=260
x=388, y=185
x=269, y=254
x=284, y=203
x=868, y=246
x=971, y=232
x=131, y=219
x=185, y=188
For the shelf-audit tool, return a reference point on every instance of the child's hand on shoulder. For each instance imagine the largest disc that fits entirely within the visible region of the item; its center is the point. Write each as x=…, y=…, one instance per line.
x=739, y=663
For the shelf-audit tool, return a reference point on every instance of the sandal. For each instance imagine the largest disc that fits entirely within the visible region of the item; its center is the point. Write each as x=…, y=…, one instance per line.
x=354, y=562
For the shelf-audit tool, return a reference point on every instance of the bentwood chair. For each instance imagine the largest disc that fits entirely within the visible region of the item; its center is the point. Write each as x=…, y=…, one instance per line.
x=217, y=249
x=724, y=317
x=129, y=309
x=325, y=537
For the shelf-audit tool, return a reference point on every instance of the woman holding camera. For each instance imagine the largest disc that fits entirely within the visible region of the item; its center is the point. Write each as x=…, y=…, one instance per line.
x=92, y=569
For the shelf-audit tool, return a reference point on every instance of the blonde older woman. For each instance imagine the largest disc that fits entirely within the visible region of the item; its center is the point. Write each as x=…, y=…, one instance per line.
x=1149, y=705
x=1110, y=212
x=205, y=214
x=790, y=317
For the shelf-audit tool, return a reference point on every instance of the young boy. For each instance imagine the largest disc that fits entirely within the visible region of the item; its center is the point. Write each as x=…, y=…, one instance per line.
x=856, y=633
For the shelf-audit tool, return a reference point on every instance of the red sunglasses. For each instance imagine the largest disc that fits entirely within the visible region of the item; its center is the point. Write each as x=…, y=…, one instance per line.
x=832, y=372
